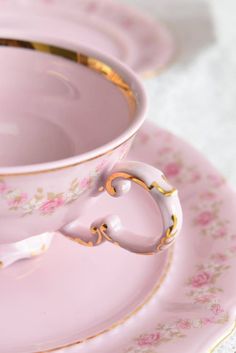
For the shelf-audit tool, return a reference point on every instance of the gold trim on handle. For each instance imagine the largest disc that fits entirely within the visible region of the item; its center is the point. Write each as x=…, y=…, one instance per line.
x=164, y=192
x=101, y=231
x=122, y=175
x=80, y=241
x=170, y=234
x=94, y=231
x=172, y=230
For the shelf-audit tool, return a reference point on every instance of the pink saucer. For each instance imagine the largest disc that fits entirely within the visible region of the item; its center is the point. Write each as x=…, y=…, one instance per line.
x=73, y=292
x=113, y=28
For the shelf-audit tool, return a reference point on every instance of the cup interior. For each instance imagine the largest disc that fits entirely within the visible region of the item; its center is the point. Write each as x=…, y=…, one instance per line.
x=57, y=103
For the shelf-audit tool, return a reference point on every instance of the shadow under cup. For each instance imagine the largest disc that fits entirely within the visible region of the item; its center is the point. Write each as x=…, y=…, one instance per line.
x=53, y=108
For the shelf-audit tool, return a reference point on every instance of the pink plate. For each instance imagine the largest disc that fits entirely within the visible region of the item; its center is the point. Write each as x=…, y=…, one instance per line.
x=71, y=292
x=113, y=28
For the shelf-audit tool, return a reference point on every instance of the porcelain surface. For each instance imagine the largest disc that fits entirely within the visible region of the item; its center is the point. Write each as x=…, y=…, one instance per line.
x=195, y=305
x=109, y=26
x=84, y=143
x=57, y=103
x=71, y=293
x=37, y=197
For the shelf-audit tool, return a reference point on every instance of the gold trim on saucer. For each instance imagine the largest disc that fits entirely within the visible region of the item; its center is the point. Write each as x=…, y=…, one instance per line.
x=232, y=330
x=92, y=63
x=135, y=311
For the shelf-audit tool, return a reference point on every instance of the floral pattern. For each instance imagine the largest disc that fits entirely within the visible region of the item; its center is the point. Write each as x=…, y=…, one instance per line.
x=172, y=162
x=44, y=202
x=207, y=215
x=47, y=202
x=201, y=286
x=203, y=289
x=181, y=170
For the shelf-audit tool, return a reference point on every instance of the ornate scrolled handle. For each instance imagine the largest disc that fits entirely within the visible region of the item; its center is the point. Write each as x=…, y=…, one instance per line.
x=110, y=227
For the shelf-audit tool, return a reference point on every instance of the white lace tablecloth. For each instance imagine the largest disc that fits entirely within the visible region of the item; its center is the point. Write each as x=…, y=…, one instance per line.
x=196, y=96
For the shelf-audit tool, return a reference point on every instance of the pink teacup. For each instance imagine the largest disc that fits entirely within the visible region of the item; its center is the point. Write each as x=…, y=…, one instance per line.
x=68, y=119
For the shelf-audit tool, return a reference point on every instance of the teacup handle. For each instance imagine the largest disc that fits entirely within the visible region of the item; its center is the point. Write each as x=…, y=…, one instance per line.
x=110, y=227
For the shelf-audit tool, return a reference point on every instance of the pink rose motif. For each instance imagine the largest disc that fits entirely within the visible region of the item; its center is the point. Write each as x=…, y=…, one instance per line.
x=127, y=22
x=203, y=299
x=85, y=183
x=207, y=320
x=165, y=150
x=233, y=249
x=216, y=309
x=3, y=187
x=216, y=179
x=143, y=137
x=208, y=195
x=50, y=206
x=172, y=169
x=149, y=339
x=204, y=218
x=195, y=176
x=220, y=233
x=219, y=257
x=92, y=7
x=201, y=279
x=17, y=199
x=184, y=324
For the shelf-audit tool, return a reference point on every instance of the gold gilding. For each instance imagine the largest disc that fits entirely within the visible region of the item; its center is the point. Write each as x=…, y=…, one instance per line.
x=172, y=230
x=164, y=192
x=93, y=64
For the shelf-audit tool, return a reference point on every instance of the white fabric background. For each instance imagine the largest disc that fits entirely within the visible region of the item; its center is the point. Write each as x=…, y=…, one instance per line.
x=196, y=96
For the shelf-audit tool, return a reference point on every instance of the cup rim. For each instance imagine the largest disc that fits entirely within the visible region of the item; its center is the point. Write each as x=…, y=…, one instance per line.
x=127, y=80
